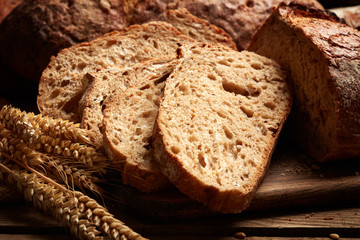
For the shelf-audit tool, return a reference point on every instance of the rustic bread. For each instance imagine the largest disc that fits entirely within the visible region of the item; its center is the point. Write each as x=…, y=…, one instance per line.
x=240, y=19
x=39, y=29
x=63, y=83
x=108, y=82
x=197, y=28
x=128, y=126
x=322, y=56
x=219, y=119
x=6, y=6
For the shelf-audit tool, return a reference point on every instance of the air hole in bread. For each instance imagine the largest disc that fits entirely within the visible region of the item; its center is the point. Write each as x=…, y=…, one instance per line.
x=211, y=77
x=155, y=44
x=55, y=93
x=138, y=131
x=193, y=138
x=175, y=149
x=146, y=114
x=111, y=43
x=224, y=62
x=161, y=80
x=81, y=66
x=184, y=89
x=221, y=113
x=253, y=91
x=250, y=3
x=201, y=160
x=249, y=113
x=270, y=105
x=236, y=89
x=146, y=86
x=228, y=133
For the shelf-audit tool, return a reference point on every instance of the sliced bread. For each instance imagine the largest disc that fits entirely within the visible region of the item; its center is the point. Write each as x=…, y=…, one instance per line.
x=322, y=57
x=128, y=127
x=63, y=83
x=197, y=28
x=218, y=122
x=108, y=82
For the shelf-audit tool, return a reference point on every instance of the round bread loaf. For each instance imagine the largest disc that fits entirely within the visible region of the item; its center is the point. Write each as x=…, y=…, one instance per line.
x=39, y=29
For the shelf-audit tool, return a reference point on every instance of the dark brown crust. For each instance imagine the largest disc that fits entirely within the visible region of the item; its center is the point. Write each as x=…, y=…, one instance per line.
x=38, y=29
x=240, y=18
x=339, y=47
x=6, y=6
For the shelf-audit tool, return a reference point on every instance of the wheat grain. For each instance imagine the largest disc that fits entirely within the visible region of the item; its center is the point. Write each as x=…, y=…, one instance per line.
x=85, y=218
x=28, y=124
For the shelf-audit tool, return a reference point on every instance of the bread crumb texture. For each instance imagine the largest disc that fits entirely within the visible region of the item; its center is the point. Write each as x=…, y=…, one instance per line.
x=221, y=113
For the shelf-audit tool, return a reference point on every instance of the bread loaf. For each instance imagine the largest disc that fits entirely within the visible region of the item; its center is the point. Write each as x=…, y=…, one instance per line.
x=322, y=57
x=240, y=19
x=6, y=6
x=128, y=127
x=39, y=29
x=62, y=84
x=219, y=119
x=108, y=82
x=197, y=28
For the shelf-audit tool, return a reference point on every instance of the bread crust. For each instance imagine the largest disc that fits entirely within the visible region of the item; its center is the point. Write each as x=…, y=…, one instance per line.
x=218, y=197
x=337, y=47
x=39, y=29
x=6, y=6
x=240, y=19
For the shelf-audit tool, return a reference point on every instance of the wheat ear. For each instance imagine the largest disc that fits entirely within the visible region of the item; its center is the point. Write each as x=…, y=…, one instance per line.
x=68, y=171
x=85, y=218
x=28, y=123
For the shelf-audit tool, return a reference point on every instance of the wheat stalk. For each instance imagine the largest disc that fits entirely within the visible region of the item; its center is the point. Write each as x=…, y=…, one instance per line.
x=85, y=218
x=29, y=124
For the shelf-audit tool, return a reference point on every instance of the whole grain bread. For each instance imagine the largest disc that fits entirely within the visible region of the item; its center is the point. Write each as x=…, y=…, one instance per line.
x=218, y=122
x=322, y=57
x=197, y=28
x=62, y=83
x=240, y=19
x=6, y=6
x=128, y=127
x=39, y=29
x=108, y=82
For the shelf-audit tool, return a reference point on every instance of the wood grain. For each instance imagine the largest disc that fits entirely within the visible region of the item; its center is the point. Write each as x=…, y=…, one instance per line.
x=293, y=180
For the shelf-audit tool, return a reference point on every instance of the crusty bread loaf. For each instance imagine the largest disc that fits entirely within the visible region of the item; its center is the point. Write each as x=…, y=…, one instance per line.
x=197, y=28
x=108, y=82
x=240, y=19
x=322, y=56
x=63, y=83
x=218, y=122
x=6, y=6
x=128, y=127
x=39, y=29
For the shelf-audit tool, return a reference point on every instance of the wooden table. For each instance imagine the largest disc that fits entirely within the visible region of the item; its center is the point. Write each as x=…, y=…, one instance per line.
x=21, y=221
x=18, y=220
x=320, y=200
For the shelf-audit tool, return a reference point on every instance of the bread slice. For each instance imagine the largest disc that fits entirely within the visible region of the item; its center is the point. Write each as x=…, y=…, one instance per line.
x=109, y=82
x=128, y=127
x=322, y=56
x=197, y=28
x=62, y=83
x=218, y=122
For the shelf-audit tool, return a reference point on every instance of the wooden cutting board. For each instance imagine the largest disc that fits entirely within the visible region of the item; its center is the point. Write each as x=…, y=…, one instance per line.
x=293, y=180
